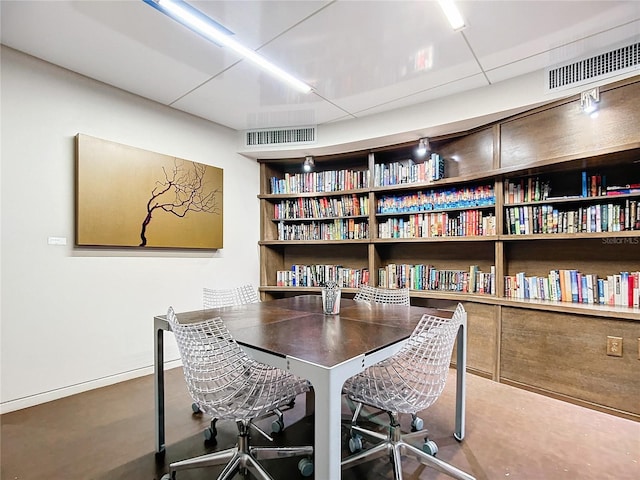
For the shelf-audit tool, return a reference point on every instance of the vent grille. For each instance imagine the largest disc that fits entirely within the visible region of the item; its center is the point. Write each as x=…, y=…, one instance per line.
x=613, y=62
x=280, y=136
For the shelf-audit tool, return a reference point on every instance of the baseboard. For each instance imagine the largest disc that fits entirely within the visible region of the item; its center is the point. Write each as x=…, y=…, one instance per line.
x=58, y=393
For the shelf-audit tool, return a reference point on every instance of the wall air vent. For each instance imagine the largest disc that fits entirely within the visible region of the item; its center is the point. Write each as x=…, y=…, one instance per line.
x=280, y=136
x=608, y=64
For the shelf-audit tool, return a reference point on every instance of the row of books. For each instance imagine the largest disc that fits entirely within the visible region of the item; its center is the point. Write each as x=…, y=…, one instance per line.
x=627, y=189
x=408, y=171
x=299, y=208
x=428, y=277
x=593, y=185
x=532, y=189
x=327, y=181
x=319, y=275
x=437, y=199
x=622, y=289
x=346, y=229
x=439, y=224
x=610, y=217
x=596, y=185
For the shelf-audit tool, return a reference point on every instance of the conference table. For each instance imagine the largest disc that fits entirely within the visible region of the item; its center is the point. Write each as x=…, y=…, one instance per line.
x=293, y=334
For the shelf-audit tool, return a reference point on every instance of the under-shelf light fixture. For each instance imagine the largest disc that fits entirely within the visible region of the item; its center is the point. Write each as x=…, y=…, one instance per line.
x=423, y=147
x=589, y=100
x=308, y=163
x=453, y=14
x=208, y=28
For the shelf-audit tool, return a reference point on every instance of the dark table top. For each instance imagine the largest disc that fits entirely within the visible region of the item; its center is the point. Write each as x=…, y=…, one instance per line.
x=297, y=327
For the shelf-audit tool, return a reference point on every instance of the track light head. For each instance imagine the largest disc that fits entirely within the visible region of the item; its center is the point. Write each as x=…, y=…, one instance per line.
x=308, y=163
x=423, y=147
x=589, y=100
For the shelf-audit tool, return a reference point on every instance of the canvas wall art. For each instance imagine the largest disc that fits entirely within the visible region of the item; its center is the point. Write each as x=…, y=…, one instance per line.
x=129, y=197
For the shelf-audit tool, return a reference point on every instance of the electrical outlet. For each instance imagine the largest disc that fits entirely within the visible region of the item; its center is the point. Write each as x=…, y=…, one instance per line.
x=614, y=346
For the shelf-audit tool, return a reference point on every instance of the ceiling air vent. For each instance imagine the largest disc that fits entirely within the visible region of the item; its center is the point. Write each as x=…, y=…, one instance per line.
x=280, y=136
x=613, y=62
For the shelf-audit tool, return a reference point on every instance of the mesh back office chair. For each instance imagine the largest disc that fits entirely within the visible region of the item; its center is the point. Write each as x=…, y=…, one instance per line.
x=408, y=382
x=224, y=298
x=396, y=296
x=227, y=384
x=228, y=297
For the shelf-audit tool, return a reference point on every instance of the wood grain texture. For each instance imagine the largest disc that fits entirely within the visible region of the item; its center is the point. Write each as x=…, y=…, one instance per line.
x=469, y=154
x=564, y=129
x=566, y=354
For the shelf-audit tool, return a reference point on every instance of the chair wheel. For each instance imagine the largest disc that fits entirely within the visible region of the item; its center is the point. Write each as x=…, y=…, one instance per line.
x=277, y=426
x=195, y=408
x=306, y=467
x=210, y=433
x=355, y=443
x=430, y=448
x=417, y=424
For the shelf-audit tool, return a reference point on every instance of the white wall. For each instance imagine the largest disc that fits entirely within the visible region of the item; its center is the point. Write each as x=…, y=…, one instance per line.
x=74, y=319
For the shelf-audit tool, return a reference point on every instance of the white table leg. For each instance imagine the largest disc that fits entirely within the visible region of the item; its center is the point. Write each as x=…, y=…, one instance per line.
x=327, y=384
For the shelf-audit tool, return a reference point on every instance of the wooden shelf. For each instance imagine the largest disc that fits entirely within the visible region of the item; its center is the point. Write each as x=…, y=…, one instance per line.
x=289, y=196
x=572, y=236
x=470, y=238
x=575, y=199
x=313, y=242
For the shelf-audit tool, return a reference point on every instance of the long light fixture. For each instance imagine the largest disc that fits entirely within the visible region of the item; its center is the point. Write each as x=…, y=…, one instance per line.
x=205, y=26
x=453, y=14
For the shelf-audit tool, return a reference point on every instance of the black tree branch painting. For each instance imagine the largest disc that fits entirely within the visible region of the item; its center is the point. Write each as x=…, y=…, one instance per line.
x=183, y=190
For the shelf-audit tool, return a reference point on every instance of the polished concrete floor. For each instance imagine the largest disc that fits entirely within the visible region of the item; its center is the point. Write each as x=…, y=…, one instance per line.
x=108, y=433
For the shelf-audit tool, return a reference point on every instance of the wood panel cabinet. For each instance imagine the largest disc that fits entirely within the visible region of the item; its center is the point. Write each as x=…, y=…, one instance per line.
x=549, y=192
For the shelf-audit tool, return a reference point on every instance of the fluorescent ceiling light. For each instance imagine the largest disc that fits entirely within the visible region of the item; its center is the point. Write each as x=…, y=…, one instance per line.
x=195, y=20
x=453, y=14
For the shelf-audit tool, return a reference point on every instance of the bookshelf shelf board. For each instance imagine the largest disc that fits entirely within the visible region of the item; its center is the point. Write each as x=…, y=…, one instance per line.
x=608, y=311
x=474, y=238
x=457, y=296
x=335, y=193
x=318, y=219
x=486, y=176
x=575, y=199
x=437, y=210
x=301, y=290
x=572, y=236
x=311, y=242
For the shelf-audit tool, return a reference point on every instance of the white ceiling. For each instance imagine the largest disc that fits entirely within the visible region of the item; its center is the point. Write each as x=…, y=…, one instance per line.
x=361, y=57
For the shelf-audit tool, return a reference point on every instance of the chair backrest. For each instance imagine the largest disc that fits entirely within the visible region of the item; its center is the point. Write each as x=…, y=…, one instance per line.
x=229, y=297
x=215, y=366
x=395, y=296
x=423, y=362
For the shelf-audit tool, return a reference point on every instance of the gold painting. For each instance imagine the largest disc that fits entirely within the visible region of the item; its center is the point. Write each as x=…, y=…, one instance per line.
x=128, y=197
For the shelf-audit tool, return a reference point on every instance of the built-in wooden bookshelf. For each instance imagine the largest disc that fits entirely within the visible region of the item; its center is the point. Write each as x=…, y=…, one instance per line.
x=539, y=194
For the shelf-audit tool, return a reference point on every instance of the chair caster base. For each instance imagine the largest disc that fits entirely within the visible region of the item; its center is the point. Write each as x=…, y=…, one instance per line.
x=277, y=426
x=355, y=443
x=417, y=424
x=430, y=448
x=306, y=467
